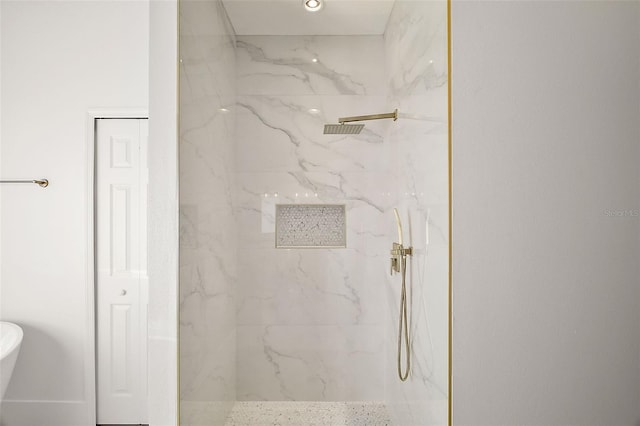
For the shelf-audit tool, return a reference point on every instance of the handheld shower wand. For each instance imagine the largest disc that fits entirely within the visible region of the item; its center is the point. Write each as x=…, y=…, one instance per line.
x=399, y=223
x=399, y=264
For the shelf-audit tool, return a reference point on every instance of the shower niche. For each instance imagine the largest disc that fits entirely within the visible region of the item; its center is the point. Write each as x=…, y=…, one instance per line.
x=311, y=226
x=268, y=325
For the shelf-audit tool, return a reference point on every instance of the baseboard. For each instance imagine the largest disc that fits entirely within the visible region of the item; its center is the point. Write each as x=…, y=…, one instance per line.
x=49, y=413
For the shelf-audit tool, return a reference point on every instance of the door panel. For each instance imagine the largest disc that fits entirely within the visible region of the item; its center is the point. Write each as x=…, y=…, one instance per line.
x=121, y=271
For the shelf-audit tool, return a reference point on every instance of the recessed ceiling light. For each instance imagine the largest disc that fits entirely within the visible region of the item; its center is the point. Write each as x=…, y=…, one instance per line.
x=312, y=5
x=314, y=60
x=314, y=110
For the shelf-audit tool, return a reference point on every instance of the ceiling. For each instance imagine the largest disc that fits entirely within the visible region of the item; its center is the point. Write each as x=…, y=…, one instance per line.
x=289, y=17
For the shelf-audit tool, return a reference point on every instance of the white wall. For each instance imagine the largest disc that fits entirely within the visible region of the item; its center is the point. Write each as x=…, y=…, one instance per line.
x=163, y=213
x=546, y=143
x=59, y=59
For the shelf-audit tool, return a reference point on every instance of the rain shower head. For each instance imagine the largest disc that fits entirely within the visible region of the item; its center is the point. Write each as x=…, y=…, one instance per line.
x=343, y=129
x=354, y=129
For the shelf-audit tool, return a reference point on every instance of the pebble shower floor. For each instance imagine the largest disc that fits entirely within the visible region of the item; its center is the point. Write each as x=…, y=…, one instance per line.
x=308, y=413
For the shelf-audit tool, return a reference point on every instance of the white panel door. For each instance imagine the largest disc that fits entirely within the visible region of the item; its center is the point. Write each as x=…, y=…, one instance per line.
x=121, y=270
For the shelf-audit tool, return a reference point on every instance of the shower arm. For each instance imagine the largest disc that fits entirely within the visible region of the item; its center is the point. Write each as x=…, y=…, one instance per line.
x=393, y=115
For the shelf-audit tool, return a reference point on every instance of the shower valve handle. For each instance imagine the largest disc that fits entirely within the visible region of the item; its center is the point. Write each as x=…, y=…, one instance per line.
x=397, y=253
x=399, y=250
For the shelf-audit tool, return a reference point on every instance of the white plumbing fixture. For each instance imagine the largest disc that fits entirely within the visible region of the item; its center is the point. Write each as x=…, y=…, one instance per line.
x=10, y=341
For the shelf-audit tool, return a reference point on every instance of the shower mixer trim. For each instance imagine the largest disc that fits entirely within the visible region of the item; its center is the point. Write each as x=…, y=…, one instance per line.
x=397, y=253
x=399, y=250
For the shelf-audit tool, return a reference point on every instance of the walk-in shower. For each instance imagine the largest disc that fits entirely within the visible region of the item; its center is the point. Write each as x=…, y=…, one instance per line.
x=286, y=302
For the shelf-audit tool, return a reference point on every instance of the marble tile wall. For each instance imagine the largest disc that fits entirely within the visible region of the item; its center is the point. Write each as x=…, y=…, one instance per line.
x=416, y=60
x=208, y=226
x=310, y=321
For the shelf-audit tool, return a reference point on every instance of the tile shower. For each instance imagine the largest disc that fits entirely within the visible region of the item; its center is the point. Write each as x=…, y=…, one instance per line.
x=286, y=325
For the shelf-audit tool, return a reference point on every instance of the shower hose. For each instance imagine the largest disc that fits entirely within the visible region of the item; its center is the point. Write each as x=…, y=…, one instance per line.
x=403, y=325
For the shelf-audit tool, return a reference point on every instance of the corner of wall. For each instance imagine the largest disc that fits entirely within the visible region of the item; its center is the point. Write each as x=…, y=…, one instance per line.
x=163, y=213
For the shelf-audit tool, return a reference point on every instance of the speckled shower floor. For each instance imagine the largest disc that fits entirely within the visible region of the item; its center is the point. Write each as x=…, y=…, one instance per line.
x=308, y=413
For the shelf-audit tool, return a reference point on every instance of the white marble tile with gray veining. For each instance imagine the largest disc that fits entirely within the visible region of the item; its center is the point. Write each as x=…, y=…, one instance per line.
x=310, y=65
x=416, y=47
x=367, y=196
x=416, y=57
x=208, y=227
x=209, y=377
x=421, y=397
x=285, y=133
x=311, y=287
x=314, y=363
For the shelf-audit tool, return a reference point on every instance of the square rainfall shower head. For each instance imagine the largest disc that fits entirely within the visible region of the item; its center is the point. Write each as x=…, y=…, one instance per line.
x=343, y=129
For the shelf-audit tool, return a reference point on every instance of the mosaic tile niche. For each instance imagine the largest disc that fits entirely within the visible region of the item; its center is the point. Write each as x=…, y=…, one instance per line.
x=311, y=225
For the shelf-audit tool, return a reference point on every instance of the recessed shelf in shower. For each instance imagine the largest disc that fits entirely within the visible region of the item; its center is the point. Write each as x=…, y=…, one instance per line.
x=311, y=226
